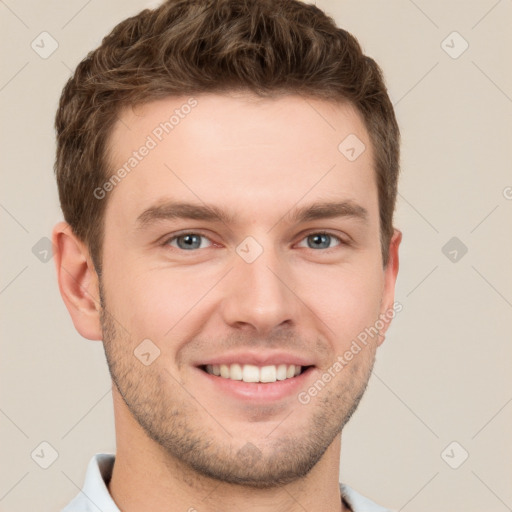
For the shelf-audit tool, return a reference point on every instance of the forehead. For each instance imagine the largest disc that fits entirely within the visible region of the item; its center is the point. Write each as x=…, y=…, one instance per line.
x=255, y=155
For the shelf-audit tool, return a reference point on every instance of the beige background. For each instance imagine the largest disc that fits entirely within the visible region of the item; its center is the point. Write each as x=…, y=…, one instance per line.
x=444, y=373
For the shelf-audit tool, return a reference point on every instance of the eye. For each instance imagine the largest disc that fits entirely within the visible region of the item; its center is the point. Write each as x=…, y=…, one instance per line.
x=321, y=240
x=188, y=241
x=192, y=241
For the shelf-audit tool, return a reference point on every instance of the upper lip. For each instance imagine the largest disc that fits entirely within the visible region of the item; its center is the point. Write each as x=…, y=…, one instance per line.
x=258, y=359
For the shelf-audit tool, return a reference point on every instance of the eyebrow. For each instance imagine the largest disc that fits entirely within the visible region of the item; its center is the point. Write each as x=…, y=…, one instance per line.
x=178, y=210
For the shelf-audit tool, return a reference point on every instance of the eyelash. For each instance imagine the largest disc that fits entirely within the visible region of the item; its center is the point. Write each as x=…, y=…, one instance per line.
x=167, y=241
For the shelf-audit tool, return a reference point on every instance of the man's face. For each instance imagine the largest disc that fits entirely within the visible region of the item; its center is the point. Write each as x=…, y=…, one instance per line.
x=261, y=287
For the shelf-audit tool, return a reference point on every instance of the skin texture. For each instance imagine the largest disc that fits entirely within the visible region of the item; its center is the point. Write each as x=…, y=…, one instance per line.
x=182, y=442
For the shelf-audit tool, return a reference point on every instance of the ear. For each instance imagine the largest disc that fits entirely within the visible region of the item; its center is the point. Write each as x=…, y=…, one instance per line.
x=388, y=308
x=78, y=281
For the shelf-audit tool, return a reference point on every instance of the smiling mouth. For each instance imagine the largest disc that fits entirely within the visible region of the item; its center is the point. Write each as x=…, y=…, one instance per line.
x=253, y=373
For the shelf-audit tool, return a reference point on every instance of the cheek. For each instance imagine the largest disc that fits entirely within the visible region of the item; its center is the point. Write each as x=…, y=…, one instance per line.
x=150, y=306
x=159, y=303
x=347, y=301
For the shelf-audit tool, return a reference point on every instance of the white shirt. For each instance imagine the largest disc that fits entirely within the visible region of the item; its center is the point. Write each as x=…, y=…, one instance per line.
x=95, y=497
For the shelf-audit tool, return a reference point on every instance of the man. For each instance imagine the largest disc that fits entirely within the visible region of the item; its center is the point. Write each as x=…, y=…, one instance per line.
x=228, y=170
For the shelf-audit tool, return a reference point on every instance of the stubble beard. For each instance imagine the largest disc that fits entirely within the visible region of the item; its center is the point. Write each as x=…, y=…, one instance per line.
x=192, y=438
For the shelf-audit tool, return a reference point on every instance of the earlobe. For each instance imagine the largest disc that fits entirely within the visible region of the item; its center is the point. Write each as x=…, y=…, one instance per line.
x=388, y=305
x=78, y=281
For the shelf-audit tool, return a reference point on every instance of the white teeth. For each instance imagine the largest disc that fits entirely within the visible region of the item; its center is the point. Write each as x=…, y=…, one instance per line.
x=253, y=373
x=236, y=372
x=268, y=374
x=224, y=371
x=281, y=372
x=250, y=373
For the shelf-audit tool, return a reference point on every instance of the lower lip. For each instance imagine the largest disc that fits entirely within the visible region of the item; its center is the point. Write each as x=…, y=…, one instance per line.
x=259, y=391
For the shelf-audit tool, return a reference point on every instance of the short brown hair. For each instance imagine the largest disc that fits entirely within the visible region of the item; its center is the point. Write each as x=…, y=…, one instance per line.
x=184, y=47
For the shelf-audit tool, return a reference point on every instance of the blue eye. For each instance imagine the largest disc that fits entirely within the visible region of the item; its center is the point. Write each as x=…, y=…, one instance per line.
x=321, y=240
x=187, y=241
x=193, y=241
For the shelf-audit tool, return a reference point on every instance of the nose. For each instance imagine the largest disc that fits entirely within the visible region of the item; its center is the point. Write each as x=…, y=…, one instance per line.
x=259, y=296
